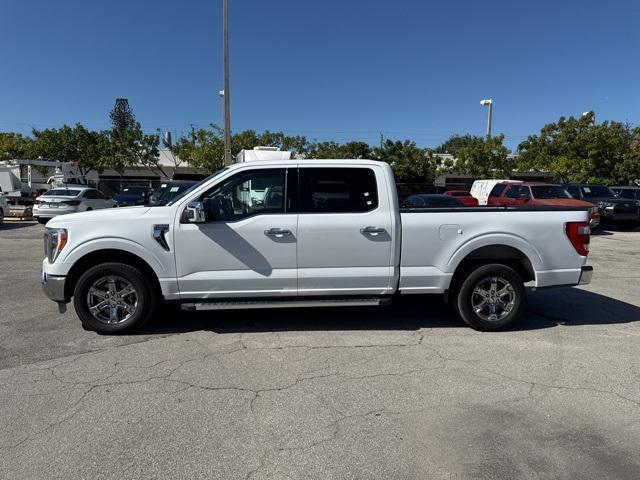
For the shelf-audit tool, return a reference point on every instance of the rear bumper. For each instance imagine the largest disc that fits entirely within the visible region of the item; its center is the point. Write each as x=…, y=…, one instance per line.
x=53, y=287
x=585, y=275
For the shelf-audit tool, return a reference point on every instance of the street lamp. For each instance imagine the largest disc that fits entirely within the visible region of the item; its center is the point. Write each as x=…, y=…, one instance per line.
x=488, y=102
x=225, y=93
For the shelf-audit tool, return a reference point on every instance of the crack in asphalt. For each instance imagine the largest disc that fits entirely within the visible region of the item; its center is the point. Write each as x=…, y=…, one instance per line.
x=103, y=382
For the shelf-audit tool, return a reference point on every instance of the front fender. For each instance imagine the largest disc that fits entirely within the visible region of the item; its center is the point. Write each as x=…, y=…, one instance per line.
x=64, y=264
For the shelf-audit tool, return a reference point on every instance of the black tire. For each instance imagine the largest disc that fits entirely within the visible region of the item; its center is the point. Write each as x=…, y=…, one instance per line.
x=143, y=293
x=1, y=216
x=507, y=280
x=43, y=221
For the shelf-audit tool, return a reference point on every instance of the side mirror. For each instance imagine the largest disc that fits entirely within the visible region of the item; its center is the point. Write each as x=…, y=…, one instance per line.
x=195, y=212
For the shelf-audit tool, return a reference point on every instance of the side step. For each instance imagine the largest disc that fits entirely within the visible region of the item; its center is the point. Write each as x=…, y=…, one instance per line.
x=286, y=303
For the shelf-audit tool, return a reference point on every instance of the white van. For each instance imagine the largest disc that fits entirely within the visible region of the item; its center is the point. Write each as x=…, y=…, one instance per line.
x=482, y=188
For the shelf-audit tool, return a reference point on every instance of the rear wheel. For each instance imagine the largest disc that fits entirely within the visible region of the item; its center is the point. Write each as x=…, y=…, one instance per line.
x=491, y=297
x=113, y=298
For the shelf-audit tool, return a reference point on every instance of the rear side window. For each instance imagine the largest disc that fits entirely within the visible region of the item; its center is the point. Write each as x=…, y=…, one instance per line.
x=517, y=191
x=498, y=189
x=627, y=193
x=337, y=190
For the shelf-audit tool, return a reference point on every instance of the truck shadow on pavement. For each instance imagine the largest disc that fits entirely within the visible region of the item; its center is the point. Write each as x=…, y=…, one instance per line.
x=15, y=225
x=546, y=309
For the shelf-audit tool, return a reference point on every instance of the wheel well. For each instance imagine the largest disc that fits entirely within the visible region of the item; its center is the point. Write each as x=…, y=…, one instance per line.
x=503, y=254
x=107, y=256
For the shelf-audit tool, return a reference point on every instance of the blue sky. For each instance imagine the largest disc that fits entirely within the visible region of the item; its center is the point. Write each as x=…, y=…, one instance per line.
x=327, y=69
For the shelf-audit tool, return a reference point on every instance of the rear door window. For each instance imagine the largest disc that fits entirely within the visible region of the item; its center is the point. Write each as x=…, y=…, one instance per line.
x=337, y=190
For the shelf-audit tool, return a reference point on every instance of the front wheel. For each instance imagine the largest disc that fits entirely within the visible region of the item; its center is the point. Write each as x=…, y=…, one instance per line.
x=113, y=298
x=491, y=297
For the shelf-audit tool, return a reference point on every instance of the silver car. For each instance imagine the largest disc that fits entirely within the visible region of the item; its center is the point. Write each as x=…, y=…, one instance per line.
x=63, y=200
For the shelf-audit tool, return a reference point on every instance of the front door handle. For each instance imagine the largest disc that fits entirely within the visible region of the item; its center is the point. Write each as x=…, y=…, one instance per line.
x=372, y=230
x=277, y=232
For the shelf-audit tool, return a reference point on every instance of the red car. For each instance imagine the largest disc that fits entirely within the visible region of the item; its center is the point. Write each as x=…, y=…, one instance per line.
x=543, y=194
x=464, y=196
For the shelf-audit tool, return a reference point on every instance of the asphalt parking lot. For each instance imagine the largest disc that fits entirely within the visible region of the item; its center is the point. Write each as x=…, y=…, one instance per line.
x=399, y=392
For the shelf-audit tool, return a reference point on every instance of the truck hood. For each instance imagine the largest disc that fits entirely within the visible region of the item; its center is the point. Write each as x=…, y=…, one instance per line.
x=563, y=202
x=103, y=215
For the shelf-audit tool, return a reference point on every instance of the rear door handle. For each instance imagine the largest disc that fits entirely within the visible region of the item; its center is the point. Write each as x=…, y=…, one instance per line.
x=277, y=232
x=372, y=230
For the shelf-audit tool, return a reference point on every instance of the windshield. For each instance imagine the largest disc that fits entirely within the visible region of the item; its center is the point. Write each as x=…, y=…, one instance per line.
x=169, y=192
x=549, y=191
x=193, y=187
x=66, y=192
x=593, y=191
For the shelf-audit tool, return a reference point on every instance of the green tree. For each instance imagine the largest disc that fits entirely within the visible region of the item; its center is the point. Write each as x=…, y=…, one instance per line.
x=69, y=144
x=455, y=143
x=331, y=149
x=13, y=145
x=410, y=163
x=578, y=149
x=126, y=144
x=484, y=157
x=203, y=148
x=629, y=169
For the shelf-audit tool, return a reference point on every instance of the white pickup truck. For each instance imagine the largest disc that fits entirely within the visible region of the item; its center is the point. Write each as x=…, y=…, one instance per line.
x=307, y=233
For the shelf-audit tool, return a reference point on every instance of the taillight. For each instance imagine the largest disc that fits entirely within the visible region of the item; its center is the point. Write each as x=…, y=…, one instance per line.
x=579, y=234
x=72, y=202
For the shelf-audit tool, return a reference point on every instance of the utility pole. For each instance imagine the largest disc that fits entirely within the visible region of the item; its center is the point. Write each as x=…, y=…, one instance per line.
x=488, y=103
x=227, y=97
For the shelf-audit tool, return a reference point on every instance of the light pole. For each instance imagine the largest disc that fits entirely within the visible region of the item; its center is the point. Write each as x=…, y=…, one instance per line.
x=488, y=102
x=225, y=93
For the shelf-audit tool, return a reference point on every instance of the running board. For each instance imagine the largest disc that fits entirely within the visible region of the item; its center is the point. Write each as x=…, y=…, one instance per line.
x=288, y=303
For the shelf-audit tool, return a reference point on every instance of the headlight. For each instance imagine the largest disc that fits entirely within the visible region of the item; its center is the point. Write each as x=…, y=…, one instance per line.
x=54, y=241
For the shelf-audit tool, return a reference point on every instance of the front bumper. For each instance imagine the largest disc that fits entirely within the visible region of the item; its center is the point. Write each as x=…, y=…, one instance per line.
x=585, y=275
x=53, y=287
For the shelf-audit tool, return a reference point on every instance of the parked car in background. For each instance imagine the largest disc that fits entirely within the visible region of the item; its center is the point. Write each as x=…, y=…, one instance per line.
x=60, y=201
x=482, y=189
x=427, y=200
x=167, y=191
x=627, y=192
x=613, y=209
x=540, y=194
x=130, y=196
x=465, y=197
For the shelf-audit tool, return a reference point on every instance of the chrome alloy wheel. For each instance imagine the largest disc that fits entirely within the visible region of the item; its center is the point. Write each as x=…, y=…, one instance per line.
x=493, y=298
x=112, y=299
